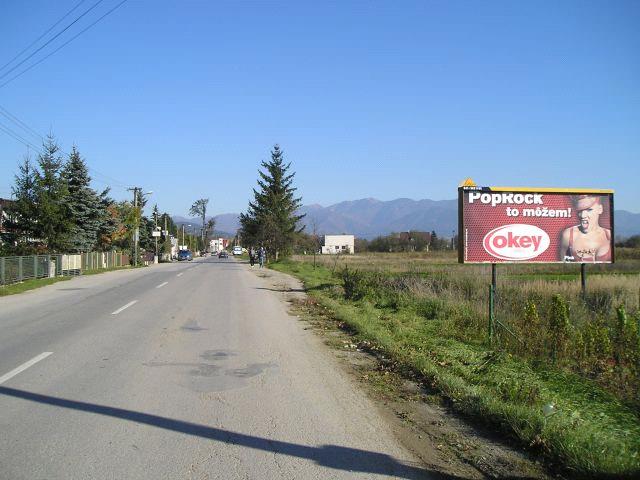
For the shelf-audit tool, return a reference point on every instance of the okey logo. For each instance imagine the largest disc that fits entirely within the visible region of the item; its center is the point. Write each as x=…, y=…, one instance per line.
x=516, y=242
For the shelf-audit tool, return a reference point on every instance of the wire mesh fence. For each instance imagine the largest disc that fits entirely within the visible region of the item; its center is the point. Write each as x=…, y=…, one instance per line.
x=19, y=268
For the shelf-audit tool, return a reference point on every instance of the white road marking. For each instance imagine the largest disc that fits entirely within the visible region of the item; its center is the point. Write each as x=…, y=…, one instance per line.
x=180, y=274
x=24, y=366
x=162, y=285
x=122, y=308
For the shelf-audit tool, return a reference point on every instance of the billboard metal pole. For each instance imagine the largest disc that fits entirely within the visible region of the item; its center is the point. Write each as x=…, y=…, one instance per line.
x=492, y=294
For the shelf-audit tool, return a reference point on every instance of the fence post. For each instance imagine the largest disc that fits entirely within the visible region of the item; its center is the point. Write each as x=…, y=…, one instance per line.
x=19, y=269
x=2, y=274
x=35, y=266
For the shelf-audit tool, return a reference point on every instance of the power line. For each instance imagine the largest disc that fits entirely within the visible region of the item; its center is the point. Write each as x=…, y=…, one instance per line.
x=106, y=179
x=61, y=46
x=6, y=113
x=52, y=39
x=40, y=37
x=18, y=137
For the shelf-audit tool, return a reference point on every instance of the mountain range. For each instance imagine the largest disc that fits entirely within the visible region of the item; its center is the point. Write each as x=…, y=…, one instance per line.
x=369, y=218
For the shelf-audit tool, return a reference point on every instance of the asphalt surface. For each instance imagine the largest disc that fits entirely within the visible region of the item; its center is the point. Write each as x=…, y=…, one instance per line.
x=203, y=375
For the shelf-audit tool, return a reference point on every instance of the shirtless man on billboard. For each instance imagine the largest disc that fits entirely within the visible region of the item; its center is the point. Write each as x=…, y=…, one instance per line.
x=587, y=241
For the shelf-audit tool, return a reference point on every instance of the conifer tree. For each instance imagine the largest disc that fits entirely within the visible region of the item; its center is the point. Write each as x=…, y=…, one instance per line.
x=22, y=214
x=271, y=218
x=84, y=204
x=53, y=219
x=109, y=221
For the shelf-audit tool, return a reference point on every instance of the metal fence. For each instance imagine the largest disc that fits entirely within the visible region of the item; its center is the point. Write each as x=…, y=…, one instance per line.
x=18, y=269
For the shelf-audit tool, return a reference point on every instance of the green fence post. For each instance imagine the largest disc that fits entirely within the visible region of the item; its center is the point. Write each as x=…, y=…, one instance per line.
x=19, y=269
x=35, y=266
x=2, y=274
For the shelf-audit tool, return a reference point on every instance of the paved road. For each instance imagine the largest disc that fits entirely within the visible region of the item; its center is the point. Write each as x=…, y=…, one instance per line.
x=202, y=375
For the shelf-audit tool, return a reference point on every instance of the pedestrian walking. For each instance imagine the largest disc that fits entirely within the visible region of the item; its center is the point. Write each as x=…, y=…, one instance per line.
x=252, y=256
x=262, y=253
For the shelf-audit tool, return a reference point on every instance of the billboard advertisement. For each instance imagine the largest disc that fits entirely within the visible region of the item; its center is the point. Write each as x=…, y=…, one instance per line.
x=534, y=225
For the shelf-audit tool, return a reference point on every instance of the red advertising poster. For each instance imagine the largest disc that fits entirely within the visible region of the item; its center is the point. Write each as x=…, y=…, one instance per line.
x=528, y=225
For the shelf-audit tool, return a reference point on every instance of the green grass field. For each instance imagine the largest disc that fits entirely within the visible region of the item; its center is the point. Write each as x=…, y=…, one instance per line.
x=567, y=386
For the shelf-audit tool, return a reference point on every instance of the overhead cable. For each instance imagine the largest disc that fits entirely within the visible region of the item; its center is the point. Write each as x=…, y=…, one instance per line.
x=6, y=113
x=40, y=37
x=106, y=179
x=63, y=45
x=52, y=39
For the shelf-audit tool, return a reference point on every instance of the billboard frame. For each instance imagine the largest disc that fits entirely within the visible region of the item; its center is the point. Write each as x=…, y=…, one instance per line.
x=462, y=244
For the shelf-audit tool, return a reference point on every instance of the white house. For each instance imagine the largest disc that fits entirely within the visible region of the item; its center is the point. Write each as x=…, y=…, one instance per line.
x=338, y=244
x=217, y=244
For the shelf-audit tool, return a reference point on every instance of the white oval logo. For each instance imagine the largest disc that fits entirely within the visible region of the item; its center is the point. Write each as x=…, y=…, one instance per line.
x=516, y=242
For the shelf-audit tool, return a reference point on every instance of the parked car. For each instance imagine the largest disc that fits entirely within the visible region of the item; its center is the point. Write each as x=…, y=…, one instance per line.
x=237, y=250
x=223, y=254
x=185, y=255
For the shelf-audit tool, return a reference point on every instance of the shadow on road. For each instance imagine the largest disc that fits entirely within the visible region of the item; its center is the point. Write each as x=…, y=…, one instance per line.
x=331, y=456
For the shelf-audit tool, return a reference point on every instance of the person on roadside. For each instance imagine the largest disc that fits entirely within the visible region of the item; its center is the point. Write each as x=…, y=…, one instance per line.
x=252, y=256
x=262, y=256
x=587, y=241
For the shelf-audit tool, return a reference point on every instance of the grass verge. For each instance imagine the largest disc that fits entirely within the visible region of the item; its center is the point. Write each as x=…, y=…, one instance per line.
x=34, y=283
x=569, y=419
x=111, y=269
x=29, y=285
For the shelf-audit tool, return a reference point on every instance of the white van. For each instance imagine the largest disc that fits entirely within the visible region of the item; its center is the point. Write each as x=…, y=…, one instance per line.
x=237, y=250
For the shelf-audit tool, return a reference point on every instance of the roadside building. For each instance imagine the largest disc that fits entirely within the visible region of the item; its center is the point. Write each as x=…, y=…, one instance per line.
x=4, y=205
x=218, y=244
x=334, y=244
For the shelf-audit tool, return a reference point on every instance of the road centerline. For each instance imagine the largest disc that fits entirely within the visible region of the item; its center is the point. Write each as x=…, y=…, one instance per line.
x=124, y=307
x=162, y=284
x=24, y=366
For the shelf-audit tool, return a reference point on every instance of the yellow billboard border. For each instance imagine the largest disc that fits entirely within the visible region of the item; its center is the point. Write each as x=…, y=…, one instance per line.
x=544, y=189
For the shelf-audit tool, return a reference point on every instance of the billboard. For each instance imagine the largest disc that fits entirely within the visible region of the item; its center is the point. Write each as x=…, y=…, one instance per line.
x=534, y=225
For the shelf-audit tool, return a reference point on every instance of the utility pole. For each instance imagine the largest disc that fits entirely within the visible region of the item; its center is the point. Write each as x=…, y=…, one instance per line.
x=155, y=214
x=167, y=238
x=137, y=192
x=136, y=231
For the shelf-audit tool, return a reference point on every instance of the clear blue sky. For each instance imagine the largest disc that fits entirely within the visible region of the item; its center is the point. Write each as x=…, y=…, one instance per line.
x=367, y=99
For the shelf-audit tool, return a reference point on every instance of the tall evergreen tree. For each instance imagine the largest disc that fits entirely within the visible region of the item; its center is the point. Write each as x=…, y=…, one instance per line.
x=199, y=208
x=271, y=218
x=53, y=219
x=22, y=215
x=109, y=221
x=84, y=204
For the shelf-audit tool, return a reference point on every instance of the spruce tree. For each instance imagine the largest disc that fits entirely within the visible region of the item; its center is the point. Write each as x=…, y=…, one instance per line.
x=108, y=221
x=84, y=204
x=271, y=218
x=53, y=219
x=22, y=216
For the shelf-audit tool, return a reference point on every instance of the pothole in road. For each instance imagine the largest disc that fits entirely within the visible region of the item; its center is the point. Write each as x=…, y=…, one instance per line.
x=213, y=355
x=193, y=326
x=250, y=370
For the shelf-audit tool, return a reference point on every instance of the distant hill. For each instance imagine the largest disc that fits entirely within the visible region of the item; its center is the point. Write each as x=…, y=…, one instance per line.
x=368, y=218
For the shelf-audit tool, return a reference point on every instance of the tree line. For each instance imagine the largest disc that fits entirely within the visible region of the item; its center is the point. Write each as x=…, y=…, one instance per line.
x=55, y=210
